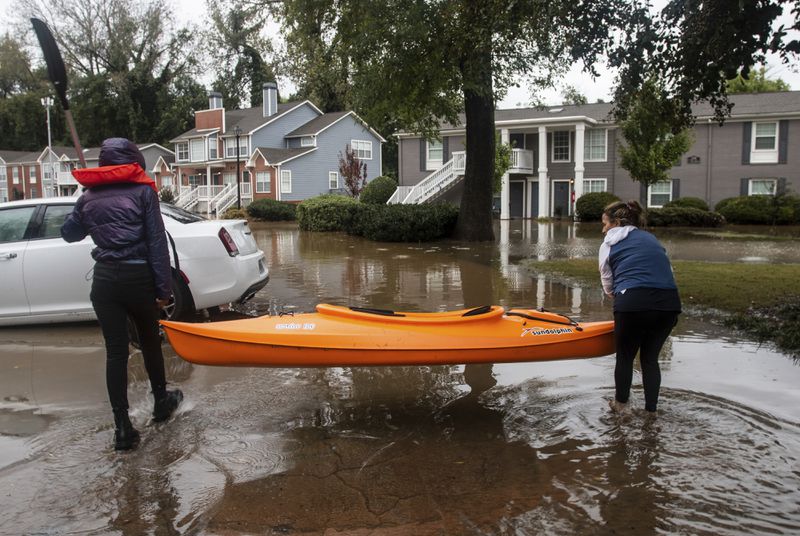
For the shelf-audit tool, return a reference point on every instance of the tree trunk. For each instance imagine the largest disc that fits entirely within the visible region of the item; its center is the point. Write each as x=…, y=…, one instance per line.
x=475, y=218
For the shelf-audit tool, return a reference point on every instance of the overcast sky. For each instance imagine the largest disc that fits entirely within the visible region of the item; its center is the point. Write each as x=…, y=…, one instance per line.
x=600, y=88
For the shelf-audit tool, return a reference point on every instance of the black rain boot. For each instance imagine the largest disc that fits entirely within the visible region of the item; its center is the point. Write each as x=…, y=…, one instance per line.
x=126, y=436
x=165, y=404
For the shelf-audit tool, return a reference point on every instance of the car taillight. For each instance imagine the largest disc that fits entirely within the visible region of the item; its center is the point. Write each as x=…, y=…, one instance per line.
x=228, y=242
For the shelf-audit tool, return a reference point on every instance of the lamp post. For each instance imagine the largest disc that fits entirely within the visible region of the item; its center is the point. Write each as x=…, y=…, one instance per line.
x=47, y=102
x=237, y=132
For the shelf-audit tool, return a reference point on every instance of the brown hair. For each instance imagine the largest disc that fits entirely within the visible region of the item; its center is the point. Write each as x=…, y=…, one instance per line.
x=625, y=213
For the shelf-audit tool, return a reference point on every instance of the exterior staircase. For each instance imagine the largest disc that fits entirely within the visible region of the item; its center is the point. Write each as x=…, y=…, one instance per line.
x=434, y=185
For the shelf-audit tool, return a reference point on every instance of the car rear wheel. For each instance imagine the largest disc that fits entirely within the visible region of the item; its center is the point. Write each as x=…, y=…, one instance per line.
x=182, y=304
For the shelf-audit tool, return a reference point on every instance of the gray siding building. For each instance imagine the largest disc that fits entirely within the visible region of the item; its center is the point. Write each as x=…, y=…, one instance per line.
x=561, y=152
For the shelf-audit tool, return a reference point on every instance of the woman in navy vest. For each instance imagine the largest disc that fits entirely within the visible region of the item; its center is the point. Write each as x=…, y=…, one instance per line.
x=636, y=273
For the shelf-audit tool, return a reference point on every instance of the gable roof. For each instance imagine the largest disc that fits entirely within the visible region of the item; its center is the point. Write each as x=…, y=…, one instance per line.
x=745, y=105
x=89, y=153
x=317, y=125
x=275, y=157
x=155, y=145
x=13, y=156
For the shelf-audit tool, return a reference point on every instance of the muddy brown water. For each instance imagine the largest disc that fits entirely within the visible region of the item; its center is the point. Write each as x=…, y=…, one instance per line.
x=527, y=448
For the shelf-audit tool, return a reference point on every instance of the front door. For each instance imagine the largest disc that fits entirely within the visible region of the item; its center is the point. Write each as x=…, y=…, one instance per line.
x=560, y=199
x=533, y=198
x=517, y=200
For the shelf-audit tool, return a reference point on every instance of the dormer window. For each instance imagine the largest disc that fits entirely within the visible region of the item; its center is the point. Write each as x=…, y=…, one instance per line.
x=308, y=141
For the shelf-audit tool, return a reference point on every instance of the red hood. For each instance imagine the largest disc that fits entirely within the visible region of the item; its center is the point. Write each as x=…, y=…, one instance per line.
x=100, y=176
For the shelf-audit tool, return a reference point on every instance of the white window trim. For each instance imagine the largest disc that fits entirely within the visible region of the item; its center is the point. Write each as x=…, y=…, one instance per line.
x=553, y=147
x=3, y=173
x=32, y=174
x=213, y=145
x=605, y=183
x=650, y=195
x=605, y=146
x=268, y=182
x=764, y=156
x=15, y=175
x=430, y=163
x=178, y=151
x=335, y=176
x=773, y=181
x=286, y=173
x=202, y=155
x=308, y=141
x=353, y=146
x=230, y=143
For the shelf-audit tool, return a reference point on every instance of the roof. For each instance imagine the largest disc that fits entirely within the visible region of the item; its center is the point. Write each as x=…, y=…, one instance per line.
x=317, y=125
x=14, y=156
x=745, y=105
x=194, y=133
x=279, y=156
x=248, y=119
x=89, y=153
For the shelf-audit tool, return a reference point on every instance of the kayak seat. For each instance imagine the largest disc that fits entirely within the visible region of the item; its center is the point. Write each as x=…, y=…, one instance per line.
x=482, y=310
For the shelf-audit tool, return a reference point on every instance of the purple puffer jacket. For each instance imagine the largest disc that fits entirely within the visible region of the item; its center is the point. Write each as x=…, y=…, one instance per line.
x=125, y=223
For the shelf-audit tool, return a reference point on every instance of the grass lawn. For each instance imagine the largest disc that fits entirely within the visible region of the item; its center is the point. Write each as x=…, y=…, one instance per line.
x=731, y=287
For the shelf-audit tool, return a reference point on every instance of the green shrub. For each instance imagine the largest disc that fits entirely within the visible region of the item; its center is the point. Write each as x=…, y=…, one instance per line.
x=683, y=217
x=378, y=190
x=327, y=212
x=234, y=213
x=761, y=209
x=404, y=223
x=724, y=202
x=166, y=195
x=271, y=210
x=589, y=207
x=688, y=202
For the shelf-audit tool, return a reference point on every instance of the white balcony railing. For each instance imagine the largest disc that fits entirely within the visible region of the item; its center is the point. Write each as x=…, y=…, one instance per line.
x=521, y=160
x=65, y=178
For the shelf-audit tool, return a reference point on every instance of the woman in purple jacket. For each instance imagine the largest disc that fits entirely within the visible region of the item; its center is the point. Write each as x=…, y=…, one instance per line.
x=132, y=274
x=636, y=272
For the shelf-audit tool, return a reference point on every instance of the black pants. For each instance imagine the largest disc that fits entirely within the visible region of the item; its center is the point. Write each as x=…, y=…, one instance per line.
x=644, y=332
x=121, y=290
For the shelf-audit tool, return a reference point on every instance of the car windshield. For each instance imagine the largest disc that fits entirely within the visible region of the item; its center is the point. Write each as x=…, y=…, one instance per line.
x=178, y=214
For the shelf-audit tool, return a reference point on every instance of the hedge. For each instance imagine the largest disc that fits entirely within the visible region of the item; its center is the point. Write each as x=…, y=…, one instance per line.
x=683, y=217
x=688, y=202
x=379, y=222
x=378, y=190
x=404, y=223
x=761, y=209
x=589, y=207
x=328, y=212
x=234, y=213
x=271, y=210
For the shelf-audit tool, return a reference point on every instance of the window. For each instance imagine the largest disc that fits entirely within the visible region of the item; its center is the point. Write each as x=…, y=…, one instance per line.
x=54, y=218
x=286, y=181
x=659, y=194
x=594, y=185
x=197, y=150
x=166, y=180
x=212, y=147
x=182, y=150
x=762, y=187
x=195, y=180
x=560, y=146
x=764, y=147
x=34, y=193
x=308, y=141
x=14, y=222
x=15, y=175
x=263, y=182
x=47, y=172
x=3, y=176
x=333, y=180
x=230, y=147
x=362, y=148
x=32, y=173
x=434, y=156
x=3, y=194
x=594, y=145
x=229, y=178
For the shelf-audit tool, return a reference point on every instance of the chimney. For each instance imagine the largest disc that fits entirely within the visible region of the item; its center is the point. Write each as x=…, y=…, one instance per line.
x=214, y=100
x=269, y=105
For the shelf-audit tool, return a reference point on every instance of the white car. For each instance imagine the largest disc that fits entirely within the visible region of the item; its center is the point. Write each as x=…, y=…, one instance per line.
x=44, y=279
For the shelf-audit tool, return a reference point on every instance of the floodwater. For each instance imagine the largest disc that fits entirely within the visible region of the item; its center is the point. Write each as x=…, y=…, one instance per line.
x=509, y=449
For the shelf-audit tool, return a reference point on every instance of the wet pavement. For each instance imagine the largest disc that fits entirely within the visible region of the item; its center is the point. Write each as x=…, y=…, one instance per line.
x=527, y=448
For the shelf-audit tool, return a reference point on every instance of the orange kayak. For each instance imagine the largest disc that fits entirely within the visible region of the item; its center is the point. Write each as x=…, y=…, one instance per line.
x=341, y=336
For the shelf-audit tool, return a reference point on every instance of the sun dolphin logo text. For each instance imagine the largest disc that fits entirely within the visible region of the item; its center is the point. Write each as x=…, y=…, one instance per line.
x=542, y=331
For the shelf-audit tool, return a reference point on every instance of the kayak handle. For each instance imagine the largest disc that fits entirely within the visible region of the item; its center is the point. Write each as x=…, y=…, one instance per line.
x=381, y=312
x=569, y=322
x=482, y=310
